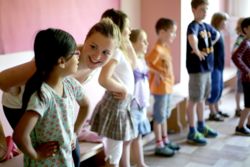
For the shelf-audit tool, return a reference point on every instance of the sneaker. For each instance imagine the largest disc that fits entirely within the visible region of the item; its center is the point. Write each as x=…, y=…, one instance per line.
x=196, y=138
x=242, y=131
x=208, y=132
x=172, y=146
x=237, y=112
x=223, y=114
x=215, y=117
x=164, y=151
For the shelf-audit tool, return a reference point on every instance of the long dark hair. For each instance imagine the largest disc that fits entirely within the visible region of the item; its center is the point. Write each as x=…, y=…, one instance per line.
x=49, y=46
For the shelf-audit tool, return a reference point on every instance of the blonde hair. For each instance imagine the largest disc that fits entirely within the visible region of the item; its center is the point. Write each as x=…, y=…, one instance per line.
x=135, y=33
x=217, y=18
x=107, y=28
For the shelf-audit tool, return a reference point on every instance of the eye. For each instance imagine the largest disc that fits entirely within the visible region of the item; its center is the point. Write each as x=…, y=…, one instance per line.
x=92, y=46
x=106, y=53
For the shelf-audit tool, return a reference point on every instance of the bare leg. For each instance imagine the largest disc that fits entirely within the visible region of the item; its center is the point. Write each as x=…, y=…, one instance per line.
x=243, y=116
x=200, y=111
x=212, y=109
x=217, y=107
x=237, y=100
x=164, y=128
x=190, y=113
x=125, y=160
x=157, y=131
x=137, y=149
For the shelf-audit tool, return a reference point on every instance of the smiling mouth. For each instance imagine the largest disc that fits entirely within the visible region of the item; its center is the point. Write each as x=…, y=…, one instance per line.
x=94, y=62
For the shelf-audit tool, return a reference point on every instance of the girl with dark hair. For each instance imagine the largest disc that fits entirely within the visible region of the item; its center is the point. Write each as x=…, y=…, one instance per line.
x=46, y=132
x=101, y=41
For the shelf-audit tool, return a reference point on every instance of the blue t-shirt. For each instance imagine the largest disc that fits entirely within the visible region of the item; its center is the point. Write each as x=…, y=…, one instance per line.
x=219, y=54
x=205, y=34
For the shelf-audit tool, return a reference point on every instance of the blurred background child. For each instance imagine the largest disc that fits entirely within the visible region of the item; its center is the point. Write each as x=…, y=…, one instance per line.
x=139, y=41
x=239, y=88
x=161, y=81
x=46, y=131
x=218, y=21
x=242, y=61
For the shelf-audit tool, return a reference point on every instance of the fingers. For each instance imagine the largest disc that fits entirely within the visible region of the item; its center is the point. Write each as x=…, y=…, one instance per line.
x=118, y=95
x=47, y=149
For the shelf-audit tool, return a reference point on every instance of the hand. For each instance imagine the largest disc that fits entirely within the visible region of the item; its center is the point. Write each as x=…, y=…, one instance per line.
x=120, y=95
x=73, y=143
x=202, y=55
x=47, y=149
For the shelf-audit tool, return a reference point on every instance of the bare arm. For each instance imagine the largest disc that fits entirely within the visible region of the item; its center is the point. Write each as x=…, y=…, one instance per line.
x=16, y=76
x=193, y=41
x=22, y=138
x=82, y=115
x=131, y=53
x=106, y=79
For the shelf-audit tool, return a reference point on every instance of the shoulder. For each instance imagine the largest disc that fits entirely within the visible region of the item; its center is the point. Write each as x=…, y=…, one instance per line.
x=72, y=82
x=118, y=54
x=193, y=27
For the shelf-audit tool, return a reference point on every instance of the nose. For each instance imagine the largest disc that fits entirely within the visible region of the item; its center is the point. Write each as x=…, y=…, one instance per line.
x=97, y=55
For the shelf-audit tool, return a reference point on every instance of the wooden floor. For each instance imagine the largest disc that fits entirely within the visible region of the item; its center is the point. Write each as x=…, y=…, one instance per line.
x=227, y=150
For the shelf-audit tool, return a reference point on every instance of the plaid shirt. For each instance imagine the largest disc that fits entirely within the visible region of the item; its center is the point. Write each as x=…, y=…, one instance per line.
x=241, y=58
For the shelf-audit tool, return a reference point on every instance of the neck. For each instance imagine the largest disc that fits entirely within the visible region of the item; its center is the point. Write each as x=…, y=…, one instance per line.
x=198, y=20
x=163, y=42
x=82, y=74
x=55, y=82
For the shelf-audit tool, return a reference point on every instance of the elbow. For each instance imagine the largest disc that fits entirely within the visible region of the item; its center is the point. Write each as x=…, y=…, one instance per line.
x=3, y=87
x=16, y=137
x=102, y=81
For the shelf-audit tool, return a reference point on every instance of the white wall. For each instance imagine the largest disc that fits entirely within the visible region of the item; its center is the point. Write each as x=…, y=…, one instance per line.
x=133, y=9
x=239, y=8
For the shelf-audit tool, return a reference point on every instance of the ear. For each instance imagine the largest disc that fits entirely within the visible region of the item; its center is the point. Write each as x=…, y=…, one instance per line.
x=61, y=62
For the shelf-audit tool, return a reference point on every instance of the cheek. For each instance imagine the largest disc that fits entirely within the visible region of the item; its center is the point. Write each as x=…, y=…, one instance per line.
x=104, y=59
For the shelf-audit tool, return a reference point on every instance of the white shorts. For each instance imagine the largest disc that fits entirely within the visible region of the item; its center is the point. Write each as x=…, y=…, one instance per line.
x=113, y=151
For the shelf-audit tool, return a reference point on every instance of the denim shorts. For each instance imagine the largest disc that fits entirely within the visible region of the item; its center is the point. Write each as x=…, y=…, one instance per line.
x=199, y=86
x=140, y=120
x=161, y=108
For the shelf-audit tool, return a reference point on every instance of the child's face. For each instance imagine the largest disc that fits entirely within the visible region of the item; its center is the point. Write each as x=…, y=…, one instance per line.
x=141, y=45
x=96, y=51
x=170, y=34
x=223, y=25
x=247, y=32
x=200, y=12
x=71, y=65
x=126, y=32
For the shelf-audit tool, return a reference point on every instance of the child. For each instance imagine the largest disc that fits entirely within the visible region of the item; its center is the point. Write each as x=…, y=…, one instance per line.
x=45, y=133
x=97, y=49
x=161, y=80
x=112, y=118
x=241, y=59
x=239, y=88
x=219, y=23
x=140, y=44
x=199, y=63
